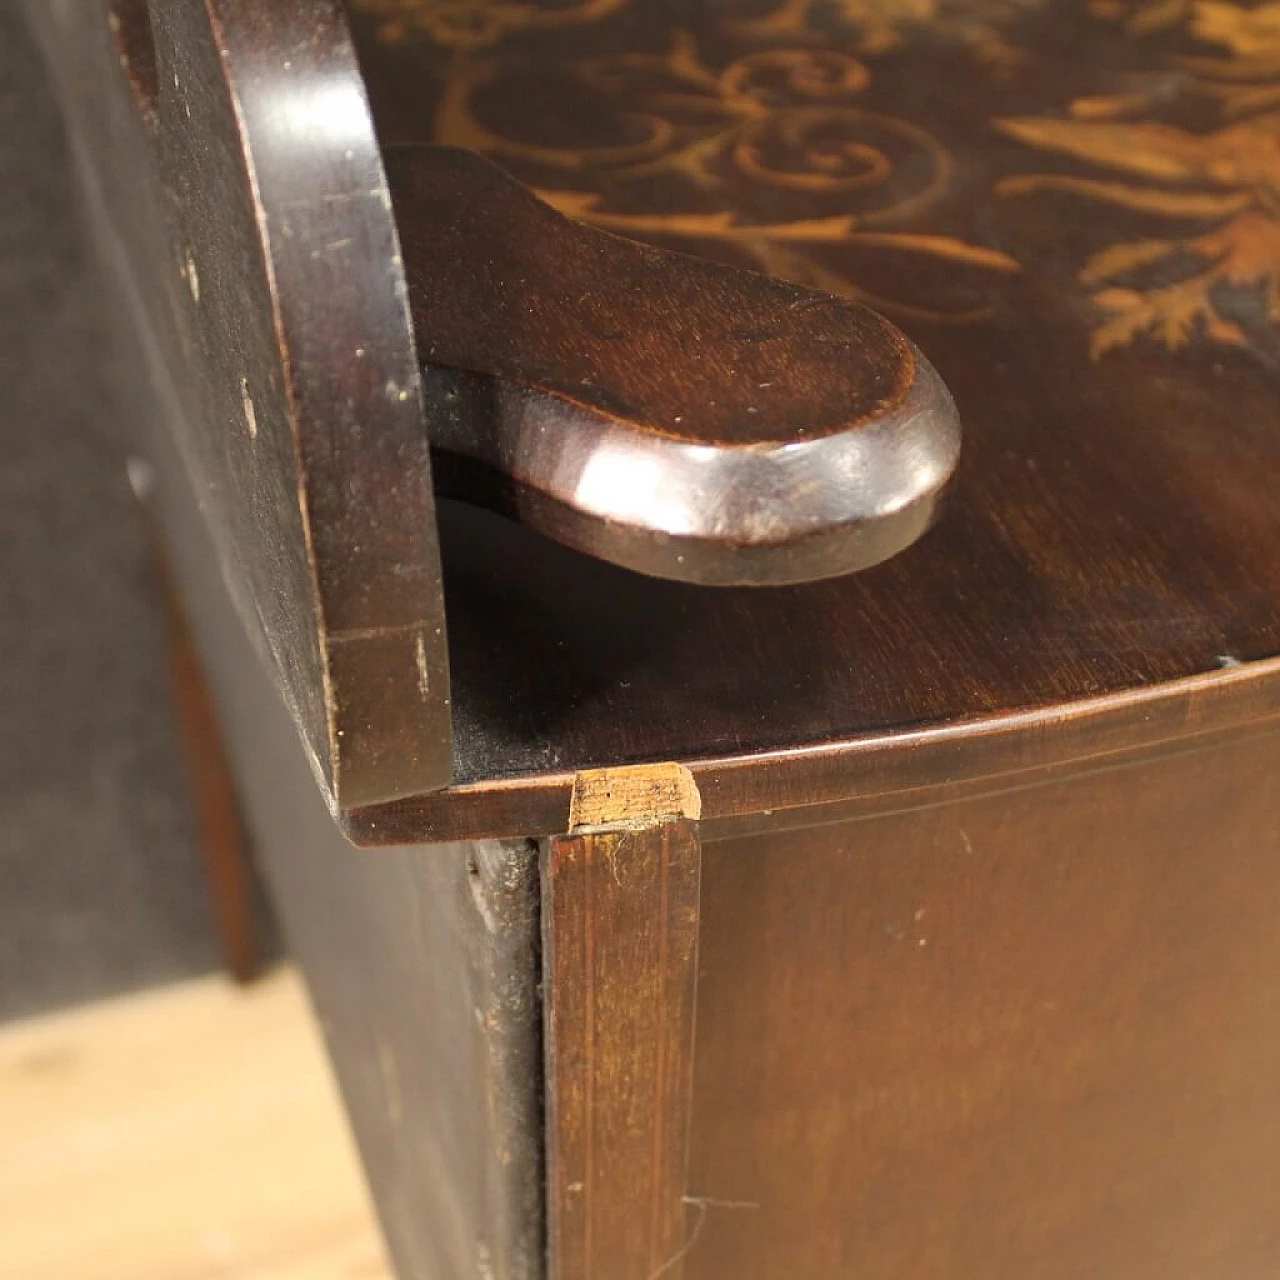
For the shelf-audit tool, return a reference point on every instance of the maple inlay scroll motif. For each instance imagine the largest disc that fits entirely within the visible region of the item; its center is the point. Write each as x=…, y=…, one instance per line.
x=777, y=133
x=750, y=136
x=706, y=153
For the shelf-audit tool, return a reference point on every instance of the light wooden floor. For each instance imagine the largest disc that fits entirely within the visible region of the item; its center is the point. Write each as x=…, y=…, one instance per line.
x=189, y=1134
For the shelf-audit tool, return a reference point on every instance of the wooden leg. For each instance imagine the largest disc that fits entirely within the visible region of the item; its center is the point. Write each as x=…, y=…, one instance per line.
x=620, y=910
x=220, y=828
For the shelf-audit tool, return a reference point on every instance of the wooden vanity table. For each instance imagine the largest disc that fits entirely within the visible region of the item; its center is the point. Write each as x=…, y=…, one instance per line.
x=700, y=869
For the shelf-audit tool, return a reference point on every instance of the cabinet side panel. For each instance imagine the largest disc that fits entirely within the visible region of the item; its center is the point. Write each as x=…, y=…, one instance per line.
x=422, y=962
x=1034, y=1035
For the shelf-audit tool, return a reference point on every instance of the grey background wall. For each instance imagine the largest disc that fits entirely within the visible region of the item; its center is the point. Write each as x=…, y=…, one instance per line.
x=101, y=887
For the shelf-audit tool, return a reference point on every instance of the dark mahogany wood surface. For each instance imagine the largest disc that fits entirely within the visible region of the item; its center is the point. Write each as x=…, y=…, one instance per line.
x=1032, y=1035
x=231, y=164
x=1072, y=212
x=1115, y=523
x=503, y=284
x=672, y=415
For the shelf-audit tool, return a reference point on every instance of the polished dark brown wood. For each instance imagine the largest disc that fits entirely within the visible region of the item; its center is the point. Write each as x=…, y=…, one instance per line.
x=986, y=946
x=662, y=412
x=422, y=962
x=888, y=771
x=247, y=191
x=1035, y=1033
x=1110, y=537
x=1113, y=529
x=620, y=911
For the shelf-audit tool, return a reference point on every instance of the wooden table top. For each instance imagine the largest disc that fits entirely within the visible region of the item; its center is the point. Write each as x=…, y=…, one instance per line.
x=1073, y=210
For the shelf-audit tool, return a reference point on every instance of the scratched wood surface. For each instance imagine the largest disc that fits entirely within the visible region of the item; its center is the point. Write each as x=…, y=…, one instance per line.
x=1015, y=1012
x=621, y=923
x=183, y=1134
x=261, y=256
x=1032, y=1034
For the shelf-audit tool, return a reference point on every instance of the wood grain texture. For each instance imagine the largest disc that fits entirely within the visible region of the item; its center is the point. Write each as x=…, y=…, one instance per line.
x=921, y=767
x=672, y=415
x=640, y=796
x=504, y=284
x=620, y=920
x=1031, y=1034
x=1113, y=527
x=422, y=962
x=1012, y=1010
x=262, y=256
x=179, y=1135
x=317, y=377
x=1112, y=534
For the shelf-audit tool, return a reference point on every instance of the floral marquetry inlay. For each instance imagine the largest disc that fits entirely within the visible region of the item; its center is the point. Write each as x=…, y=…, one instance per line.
x=468, y=24
x=1172, y=285
x=876, y=26
x=827, y=140
x=786, y=121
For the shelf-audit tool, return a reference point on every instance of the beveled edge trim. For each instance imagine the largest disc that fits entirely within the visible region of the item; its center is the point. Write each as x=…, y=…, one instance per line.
x=801, y=786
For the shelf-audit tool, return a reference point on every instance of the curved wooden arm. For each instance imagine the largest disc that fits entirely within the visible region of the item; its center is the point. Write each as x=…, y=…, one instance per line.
x=243, y=197
x=675, y=416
